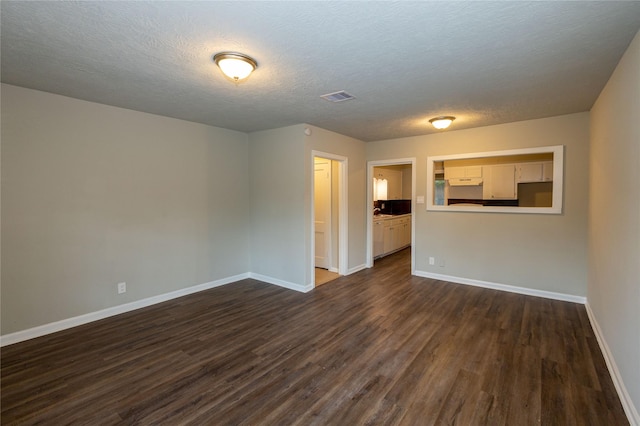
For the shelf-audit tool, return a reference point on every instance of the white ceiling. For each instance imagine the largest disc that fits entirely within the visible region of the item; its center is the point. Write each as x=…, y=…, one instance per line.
x=405, y=62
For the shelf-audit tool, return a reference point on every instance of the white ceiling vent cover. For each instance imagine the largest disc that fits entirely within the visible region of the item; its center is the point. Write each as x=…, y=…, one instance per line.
x=338, y=96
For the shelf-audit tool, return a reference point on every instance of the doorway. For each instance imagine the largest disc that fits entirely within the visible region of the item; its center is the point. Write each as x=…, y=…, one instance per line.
x=391, y=201
x=328, y=218
x=323, y=203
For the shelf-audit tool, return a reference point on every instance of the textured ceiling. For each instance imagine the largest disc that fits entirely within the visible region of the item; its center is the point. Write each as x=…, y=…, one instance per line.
x=405, y=62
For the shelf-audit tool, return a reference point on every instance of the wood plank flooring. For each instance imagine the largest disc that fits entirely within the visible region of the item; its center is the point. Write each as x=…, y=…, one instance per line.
x=376, y=347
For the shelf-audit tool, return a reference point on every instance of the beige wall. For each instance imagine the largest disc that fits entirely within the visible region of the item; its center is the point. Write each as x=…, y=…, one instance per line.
x=542, y=252
x=94, y=195
x=614, y=222
x=278, y=215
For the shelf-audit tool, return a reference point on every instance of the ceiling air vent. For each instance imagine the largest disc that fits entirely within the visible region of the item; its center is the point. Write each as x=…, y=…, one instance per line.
x=338, y=96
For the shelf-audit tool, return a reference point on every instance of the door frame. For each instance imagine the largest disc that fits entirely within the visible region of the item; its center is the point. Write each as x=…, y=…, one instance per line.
x=343, y=255
x=329, y=222
x=393, y=162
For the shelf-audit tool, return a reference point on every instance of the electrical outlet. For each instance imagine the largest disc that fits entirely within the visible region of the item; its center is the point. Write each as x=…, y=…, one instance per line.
x=122, y=288
x=432, y=261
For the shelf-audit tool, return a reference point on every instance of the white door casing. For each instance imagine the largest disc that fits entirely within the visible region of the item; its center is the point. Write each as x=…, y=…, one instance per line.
x=370, y=175
x=322, y=212
x=341, y=163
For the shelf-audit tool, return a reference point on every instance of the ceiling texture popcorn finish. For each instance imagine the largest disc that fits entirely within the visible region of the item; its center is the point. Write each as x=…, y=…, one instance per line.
x=484, y=62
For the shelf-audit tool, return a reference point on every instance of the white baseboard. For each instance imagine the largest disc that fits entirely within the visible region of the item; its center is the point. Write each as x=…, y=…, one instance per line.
x=504, y=287
x=356, y=269
x=64, y=324
x=332, y=269
x=627, y=403
x=281, y=283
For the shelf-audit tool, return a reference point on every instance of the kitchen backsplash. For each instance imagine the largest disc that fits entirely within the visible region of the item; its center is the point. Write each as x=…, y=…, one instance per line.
x=393, y=206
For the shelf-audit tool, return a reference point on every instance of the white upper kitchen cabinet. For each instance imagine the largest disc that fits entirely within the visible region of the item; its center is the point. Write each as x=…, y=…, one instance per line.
x=463, y=172
x=535, y=172
x=547, y=171
x=499, y=182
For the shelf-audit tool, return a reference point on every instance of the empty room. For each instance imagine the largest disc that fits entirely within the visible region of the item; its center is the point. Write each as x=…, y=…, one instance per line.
x=321, y=212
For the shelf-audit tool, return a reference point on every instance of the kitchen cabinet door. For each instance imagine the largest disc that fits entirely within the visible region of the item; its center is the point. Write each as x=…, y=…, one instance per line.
x=407, y=232
x=473, y=171
x=390, y=236
x=499, y=182
x=397, y=243
x=454, y=173
x=395, y=187
x=547, y=171
x=404, y=238
x=529, y=172
x=463, y=172
x=378, y=237
x=535, y=172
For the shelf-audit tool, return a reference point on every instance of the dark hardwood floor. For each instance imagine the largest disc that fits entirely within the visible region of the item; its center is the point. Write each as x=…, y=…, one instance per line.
x=376, y=347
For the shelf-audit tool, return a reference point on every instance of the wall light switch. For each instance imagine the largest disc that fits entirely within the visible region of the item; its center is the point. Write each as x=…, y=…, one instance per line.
x=432, y=261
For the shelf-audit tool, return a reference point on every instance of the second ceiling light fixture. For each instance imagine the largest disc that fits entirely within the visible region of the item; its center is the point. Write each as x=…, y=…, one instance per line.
x=443, y=122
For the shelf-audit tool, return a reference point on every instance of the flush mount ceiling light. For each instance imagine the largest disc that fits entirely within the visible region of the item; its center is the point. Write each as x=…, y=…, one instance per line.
x=442, y=122
x=236, y=66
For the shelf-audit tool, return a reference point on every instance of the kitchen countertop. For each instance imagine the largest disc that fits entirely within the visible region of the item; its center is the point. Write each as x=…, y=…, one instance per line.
x=389, y=216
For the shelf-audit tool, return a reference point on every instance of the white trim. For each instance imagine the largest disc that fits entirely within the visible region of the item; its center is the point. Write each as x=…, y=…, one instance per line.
x=334, y=270
x=627, y=403
x=64, y=324
x=329, y=220
x=356, y=269
x=343, y=214
x=414, y=174
x=281, y=283
x=370, y=165
x=504, y=287
x=558, y=167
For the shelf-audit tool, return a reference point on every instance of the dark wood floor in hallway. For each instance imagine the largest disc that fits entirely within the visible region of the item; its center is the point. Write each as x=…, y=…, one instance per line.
x=376, y=347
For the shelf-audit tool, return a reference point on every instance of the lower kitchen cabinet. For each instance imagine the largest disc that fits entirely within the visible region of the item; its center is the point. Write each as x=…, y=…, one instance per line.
x=390, y=237
x=405, y=232
x=378, y=237
x=396, y=235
